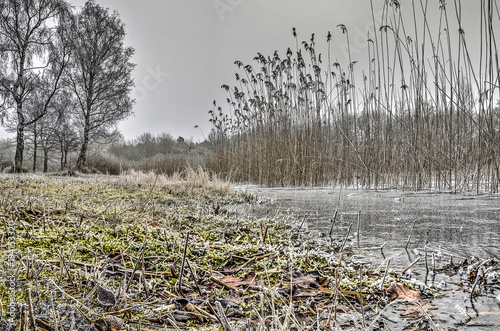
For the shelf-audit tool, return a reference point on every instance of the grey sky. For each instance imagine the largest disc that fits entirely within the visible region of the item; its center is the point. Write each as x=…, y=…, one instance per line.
x=185, y=49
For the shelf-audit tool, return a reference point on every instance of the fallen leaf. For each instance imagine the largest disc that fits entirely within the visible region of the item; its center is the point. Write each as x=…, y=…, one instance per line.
x=235, y=282
x=99, y=325
x=413, y=310
x=362, y=309
x=344, y=292
x=402, y=292
x=228, y=303
x=153, y=223
x=311, y=280
x=115, y=322
x=112, y=328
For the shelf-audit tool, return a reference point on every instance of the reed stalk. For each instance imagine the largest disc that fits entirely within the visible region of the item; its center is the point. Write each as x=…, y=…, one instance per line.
x=418, y=110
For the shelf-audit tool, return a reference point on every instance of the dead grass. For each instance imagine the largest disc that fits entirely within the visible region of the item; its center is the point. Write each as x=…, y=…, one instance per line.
x=188, y=181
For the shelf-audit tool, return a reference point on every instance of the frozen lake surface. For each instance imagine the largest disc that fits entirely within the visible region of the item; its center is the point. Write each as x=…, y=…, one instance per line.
x=458, y=225
x=448, y=226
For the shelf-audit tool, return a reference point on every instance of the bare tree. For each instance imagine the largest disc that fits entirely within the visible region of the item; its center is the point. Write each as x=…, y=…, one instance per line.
x=67, y=140
x=46, y=130
x=64, y=131
x=100, y=73
x=31, y=55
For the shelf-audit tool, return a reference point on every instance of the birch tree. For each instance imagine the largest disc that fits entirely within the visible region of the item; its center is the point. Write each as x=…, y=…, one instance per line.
x=32, y=54
x=99, y=74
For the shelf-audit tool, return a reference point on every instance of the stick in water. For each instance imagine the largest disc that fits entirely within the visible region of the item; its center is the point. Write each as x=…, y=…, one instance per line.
x=333, y=222
x=385, y=274
x=359, y=225
x=409, y=236
x=382, y=247
x=411, y=265
x=345, y=238
x=426, y=262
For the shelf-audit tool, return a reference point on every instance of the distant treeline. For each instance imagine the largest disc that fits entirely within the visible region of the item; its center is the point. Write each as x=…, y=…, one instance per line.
x=161, y=153
x=147, y=145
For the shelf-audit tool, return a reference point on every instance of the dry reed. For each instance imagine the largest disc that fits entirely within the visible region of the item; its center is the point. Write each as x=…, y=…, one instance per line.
x=421, y=114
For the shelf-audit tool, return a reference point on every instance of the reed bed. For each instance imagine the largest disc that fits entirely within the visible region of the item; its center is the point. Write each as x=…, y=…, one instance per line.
x=422, y=112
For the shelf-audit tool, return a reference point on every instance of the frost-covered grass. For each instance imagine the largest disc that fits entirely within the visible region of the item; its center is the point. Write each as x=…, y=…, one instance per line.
x=80, y=241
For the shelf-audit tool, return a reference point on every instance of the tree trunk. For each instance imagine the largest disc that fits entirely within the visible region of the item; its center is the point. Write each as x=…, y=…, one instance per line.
x=18, y=159
x=62, y=157
x=45, y=159
x=65, y=163
x=82, y=157
x=35, y=147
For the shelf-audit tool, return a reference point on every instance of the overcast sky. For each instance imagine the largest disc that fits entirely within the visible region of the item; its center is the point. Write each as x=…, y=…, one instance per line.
x=185, y=49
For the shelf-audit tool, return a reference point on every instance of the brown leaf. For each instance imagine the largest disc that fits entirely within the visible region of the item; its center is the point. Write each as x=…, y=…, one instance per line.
x=153, y=223
x=115, y=323
x=100, y=325
x=235, y=282
x=402, y=292
x=112, y=328
x=311, y=280
x=414, y=310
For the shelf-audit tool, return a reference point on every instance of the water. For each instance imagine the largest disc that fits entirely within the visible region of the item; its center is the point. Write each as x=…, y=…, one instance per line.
x=450, y=227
